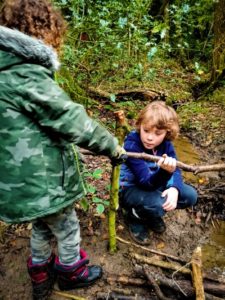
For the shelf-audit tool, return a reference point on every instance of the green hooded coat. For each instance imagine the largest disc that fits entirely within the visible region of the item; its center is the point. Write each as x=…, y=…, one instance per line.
x=39, y=165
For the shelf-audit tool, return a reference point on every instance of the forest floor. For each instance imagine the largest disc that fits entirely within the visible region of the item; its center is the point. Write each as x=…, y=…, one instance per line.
x=186, y=229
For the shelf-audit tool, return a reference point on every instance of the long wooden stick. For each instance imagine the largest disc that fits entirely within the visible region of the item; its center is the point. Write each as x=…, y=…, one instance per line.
x=114, y=205
x=121, y=130
x=188, y=168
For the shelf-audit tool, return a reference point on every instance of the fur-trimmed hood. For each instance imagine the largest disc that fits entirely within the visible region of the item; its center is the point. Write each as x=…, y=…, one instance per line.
x=28, y=48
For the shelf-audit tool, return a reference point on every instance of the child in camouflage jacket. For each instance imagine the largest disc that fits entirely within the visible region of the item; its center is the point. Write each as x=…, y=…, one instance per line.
x=40, y=178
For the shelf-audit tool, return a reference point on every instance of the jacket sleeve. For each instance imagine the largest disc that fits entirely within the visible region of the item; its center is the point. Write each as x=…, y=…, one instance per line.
x=61, y=118
x=144, y=176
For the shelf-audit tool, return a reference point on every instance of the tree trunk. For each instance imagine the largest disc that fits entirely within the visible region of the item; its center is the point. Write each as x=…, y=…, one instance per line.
x=218, y=68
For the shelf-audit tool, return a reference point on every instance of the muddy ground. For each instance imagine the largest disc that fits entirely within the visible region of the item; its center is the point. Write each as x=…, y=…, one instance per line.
x=186, y=229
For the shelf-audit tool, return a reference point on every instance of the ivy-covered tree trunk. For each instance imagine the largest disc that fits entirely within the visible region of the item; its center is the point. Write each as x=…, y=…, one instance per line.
x=218, y=68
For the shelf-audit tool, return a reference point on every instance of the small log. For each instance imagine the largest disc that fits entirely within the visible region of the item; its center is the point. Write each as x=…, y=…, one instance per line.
x=160, y=263
x=124, y=279
x=154, y=284
x=196, y=264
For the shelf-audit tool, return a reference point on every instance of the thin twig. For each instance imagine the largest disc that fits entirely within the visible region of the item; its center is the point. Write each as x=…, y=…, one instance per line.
x=151, y=250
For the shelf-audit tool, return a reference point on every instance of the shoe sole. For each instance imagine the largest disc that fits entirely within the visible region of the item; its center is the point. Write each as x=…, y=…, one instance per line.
x=67, y=287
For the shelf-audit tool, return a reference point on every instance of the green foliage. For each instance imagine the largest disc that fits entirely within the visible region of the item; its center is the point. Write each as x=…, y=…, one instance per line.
x=107, y=37
x=191, y=28
x=92, y=199
x=116, y=39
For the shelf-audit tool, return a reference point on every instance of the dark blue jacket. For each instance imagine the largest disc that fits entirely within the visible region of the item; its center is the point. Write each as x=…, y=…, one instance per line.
x=144, y=173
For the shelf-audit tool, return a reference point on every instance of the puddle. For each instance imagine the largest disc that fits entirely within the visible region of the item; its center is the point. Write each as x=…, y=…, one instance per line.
x=213, y=253
x=187, y=154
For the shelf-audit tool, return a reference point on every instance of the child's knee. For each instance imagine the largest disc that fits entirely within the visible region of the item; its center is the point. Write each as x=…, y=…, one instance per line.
x=193, y=196
x=188, y=198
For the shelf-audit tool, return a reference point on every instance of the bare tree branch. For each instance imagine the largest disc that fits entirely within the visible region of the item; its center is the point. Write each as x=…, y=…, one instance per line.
x=188, y=168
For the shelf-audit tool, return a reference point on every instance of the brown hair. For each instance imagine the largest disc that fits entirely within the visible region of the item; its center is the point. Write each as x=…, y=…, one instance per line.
x=158, y=114
x=35, y=18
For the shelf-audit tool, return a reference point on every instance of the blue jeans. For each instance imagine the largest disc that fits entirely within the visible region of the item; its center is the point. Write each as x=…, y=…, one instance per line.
x=148, y=203
x=64, y=225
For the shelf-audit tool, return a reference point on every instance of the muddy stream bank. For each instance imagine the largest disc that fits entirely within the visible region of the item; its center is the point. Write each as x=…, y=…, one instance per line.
x=213, y=251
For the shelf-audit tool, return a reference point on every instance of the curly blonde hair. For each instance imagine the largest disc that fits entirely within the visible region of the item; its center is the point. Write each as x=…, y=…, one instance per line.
x=158, y=114
x=38, y=19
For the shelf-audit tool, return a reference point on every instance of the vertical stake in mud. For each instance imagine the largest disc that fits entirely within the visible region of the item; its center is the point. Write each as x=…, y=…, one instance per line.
x=122, y=129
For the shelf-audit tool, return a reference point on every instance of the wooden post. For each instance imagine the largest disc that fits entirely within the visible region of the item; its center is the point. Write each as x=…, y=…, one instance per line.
x=114, y=205
x=121, y=130
x=197, y=279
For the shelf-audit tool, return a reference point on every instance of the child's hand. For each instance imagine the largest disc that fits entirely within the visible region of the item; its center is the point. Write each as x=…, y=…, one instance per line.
x=119, y=156
x=167, y=163
x=171, y=196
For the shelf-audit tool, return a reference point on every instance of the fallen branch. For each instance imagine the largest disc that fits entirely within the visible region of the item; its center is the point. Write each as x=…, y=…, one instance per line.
x=188, y=168
x=124, y=95
x=176, y=258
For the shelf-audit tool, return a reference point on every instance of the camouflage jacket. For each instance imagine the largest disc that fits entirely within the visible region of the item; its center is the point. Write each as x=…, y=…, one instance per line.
x=39, y=168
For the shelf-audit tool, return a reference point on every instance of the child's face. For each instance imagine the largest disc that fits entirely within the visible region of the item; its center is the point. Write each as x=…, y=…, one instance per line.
x=151, y=137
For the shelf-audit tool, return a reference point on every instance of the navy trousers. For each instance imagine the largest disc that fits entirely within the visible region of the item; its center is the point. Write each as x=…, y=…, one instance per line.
x=145, y=204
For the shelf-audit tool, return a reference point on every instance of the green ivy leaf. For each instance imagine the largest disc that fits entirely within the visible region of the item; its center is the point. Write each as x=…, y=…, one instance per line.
x=96, y=200
x=91, y=189
x=97, y=174
x=100, y=208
